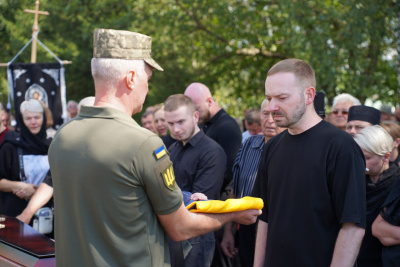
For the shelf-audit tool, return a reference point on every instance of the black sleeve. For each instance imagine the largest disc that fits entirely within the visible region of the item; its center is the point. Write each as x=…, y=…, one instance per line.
x=9, y=163
x=391, y=207
x=230, y=140
x=348, y=188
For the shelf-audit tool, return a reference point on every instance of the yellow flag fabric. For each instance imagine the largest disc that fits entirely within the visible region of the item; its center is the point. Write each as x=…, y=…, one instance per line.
x=230, y=205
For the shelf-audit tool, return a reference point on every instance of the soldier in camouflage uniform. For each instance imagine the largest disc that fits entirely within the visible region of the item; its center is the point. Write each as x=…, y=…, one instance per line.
x=114, y=186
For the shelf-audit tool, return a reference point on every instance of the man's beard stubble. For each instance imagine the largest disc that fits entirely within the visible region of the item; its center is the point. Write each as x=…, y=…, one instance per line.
x=298, y=113
x=190, y=135
x=206, y=118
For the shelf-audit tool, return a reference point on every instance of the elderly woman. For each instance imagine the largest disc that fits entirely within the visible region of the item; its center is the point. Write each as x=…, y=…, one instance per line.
x=381, y=174
x=23, y=162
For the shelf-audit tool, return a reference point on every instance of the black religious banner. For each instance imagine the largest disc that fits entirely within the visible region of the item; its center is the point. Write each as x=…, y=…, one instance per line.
x=40, y=81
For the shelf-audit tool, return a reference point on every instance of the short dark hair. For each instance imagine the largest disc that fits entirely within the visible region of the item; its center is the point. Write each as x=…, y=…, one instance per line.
x=303, y=72
x=173, y=102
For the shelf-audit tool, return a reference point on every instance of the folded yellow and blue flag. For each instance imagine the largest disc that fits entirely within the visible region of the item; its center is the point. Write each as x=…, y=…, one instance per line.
x=229, y=205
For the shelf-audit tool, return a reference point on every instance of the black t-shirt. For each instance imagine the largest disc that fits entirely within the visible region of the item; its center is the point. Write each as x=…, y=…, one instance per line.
x=311, y=183
x=224, y=130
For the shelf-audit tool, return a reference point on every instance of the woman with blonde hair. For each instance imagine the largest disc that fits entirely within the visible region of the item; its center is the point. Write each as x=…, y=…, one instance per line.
x=377, y=144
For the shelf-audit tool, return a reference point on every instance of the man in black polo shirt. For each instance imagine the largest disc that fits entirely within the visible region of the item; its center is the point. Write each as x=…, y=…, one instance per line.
x=199, y=165
x=216, y=124
x=222, y=128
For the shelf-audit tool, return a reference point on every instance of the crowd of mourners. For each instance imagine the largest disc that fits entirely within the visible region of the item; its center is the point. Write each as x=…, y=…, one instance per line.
x=221, y=162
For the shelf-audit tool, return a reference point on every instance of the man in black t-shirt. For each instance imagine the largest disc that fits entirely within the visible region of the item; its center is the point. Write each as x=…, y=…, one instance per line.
x=311, y=178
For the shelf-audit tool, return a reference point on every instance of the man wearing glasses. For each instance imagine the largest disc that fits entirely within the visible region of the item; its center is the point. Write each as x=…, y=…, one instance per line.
x=340, y=109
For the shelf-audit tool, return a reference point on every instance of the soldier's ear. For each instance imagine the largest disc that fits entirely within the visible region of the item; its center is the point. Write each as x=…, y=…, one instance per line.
x=130, y=79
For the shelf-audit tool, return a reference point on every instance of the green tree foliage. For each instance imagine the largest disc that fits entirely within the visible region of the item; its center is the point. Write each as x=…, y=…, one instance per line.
x=229, y=45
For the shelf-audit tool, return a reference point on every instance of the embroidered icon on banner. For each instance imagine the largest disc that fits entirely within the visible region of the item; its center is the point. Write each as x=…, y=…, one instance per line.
x=169, y=177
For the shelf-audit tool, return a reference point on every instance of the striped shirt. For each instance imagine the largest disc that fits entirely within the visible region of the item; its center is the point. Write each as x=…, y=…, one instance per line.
x=246, y=165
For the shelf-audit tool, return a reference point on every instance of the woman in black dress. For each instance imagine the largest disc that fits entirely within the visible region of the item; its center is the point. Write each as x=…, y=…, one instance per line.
x=381, y=174
x=23, y=161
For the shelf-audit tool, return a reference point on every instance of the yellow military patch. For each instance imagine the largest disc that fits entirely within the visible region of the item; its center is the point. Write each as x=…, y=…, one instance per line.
x=168, y=177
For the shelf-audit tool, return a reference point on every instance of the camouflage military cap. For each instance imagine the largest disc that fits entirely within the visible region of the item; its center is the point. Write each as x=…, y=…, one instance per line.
x=123, y=45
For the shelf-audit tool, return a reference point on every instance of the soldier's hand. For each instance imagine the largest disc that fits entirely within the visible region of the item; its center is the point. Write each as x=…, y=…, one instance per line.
x=246, y=216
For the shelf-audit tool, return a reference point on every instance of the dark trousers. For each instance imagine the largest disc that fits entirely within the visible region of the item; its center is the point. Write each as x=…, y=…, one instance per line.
x=246, y=243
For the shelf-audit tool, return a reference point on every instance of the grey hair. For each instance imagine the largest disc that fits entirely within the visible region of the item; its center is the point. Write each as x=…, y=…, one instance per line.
x=111, y=70
x=345, y=98
x=374, y=139
x=262, y=103
x=31, y=105
x=72, y=102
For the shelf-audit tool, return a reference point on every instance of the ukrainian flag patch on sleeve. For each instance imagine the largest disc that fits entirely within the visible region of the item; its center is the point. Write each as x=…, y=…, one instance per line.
x=160, y=152
x=169, y=177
